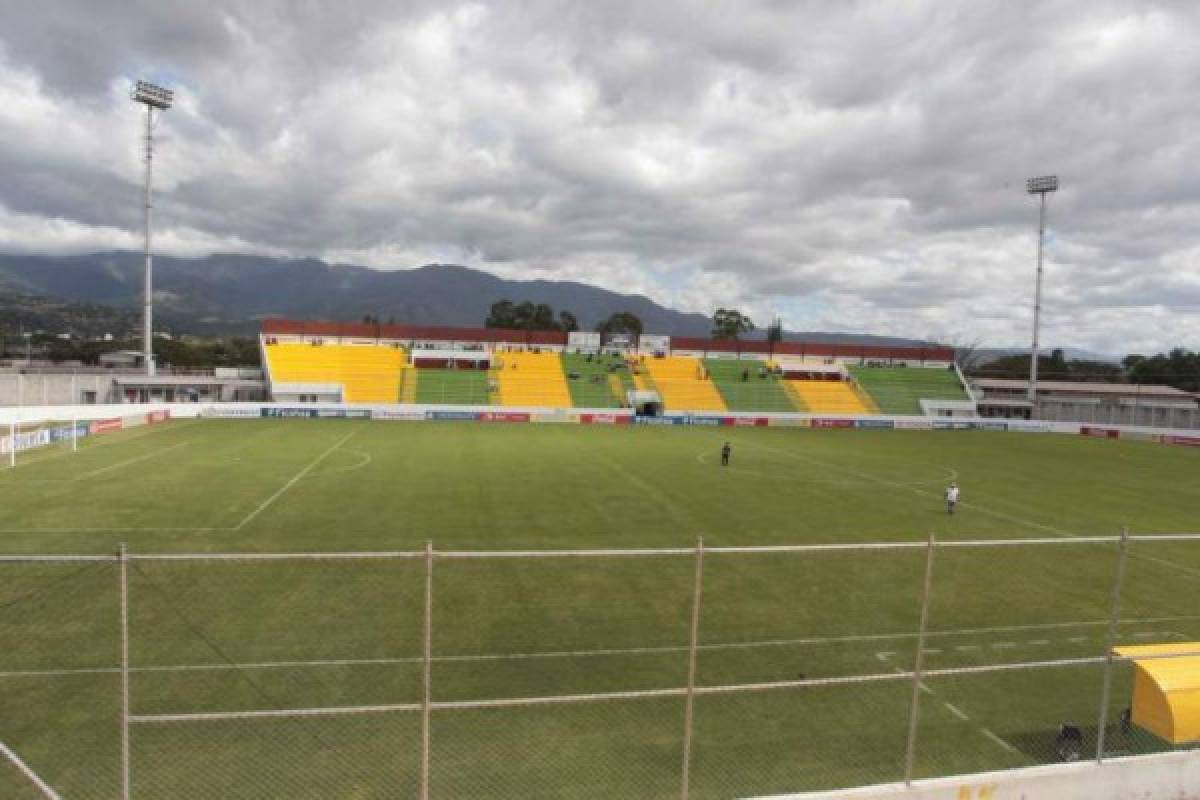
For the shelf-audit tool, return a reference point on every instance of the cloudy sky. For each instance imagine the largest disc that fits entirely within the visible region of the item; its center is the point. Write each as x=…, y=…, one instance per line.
x=849, y=166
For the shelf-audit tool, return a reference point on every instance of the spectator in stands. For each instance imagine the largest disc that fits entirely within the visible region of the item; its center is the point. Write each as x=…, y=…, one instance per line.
x=725, y=451
x=951, y=497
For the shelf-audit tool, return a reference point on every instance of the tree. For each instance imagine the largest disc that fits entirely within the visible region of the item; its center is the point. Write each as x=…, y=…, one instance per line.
x=529, y=316
x=501, y=315
x=774, y=335
x=1179, y=368
x=730, y=324
x=621, y=322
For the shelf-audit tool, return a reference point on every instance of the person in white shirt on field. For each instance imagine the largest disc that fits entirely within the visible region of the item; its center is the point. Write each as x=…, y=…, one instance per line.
x=951, y=497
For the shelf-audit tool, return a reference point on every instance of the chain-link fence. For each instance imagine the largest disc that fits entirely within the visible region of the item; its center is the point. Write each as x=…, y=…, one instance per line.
x=685, y=672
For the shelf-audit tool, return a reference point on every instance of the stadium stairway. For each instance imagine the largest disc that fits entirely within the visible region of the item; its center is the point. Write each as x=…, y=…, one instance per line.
x=760, y=391
x=408, y=385
x=367, y=374
x=832, y=397
x=899, y=390
x=683, y=384
x=533, y=379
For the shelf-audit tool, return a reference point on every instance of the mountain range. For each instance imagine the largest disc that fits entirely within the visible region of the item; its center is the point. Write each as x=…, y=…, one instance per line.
x=230, y=293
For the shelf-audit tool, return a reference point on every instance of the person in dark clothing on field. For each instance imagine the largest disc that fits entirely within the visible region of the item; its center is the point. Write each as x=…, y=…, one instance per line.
x=725, y=451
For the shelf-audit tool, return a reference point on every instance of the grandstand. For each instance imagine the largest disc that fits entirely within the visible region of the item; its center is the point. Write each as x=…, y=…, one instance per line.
x=532, y=379
x=684, y=384
x=748, y=385
x=596, y=381
x=320, y=361
x=899, y=390
x=366, y=373
x=832, y=396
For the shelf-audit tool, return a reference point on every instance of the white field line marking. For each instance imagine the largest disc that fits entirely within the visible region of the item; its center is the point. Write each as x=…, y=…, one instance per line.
x=963, y=716
x=998, y=740
x=128, y=461
x=295, y=479
x=953, y=709
x=1007, y=645
x=989, y=511
x=1038, y=641
x=364, y=460
x=110, y=530
x=882, y=656
x=29, y=774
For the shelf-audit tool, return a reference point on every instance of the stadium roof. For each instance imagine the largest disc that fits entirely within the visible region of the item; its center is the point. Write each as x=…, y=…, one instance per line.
x=1081, y=387
x=444, y=333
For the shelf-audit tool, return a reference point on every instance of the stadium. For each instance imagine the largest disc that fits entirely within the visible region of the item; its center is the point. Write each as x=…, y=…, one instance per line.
x=252, y=547
x=476, y=562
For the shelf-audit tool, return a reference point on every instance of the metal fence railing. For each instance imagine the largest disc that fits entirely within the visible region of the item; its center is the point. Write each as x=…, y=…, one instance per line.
x=678, y=672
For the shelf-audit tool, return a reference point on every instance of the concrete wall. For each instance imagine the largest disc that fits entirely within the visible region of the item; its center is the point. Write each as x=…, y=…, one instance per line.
x=19, y=389
x=1165, y=776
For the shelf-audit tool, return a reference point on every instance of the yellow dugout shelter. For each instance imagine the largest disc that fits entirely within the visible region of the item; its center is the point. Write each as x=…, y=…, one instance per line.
x=1166, y=689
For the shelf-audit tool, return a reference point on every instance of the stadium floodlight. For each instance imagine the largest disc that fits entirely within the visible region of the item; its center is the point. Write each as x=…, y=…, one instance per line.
x=1040, y=186
x=151, y=96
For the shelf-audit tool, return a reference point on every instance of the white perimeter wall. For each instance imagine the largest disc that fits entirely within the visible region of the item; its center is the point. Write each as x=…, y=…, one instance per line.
x=1166, y=776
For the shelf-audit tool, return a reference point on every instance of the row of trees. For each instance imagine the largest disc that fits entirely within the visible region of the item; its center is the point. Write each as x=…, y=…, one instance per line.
x=728, y=323
x=188, y=353
x=1179, y=368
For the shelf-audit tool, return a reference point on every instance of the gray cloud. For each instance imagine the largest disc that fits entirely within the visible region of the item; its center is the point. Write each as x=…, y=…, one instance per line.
x=852, y=165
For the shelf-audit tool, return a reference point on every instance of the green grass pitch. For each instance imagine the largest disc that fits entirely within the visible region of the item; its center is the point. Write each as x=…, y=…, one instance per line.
x=244, y=635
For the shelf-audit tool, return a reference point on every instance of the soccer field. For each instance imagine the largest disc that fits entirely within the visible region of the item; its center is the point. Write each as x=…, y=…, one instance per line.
x=234, y=635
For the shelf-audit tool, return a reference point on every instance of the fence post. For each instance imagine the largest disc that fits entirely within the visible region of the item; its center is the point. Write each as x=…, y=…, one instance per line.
x=427, y=672
x=123, y=558
x=910, y=752
x=1114, y=619
x=12, y=443
x=693, y=647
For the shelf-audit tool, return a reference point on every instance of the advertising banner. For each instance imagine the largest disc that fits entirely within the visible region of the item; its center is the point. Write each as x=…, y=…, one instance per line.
x=1099, y=433
x=789, y=422
x=503, y=416
x=712, y=420
x=104, y=425
x=914, y=424
x=289, y=412
x=405, y=416
x=662, y=420
x=833, y=423
x=158, y=416
x=954, y=425
x=452, y=415
x=749, y=422
x=1186, y=441
x=234, y=413
x=878, y=424
x=605, y=419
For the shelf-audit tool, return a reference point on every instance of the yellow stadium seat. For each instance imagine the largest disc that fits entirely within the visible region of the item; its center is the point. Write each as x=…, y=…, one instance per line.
x=367, y=373
x=838, y=397
x=684, y=385
x=533, y=379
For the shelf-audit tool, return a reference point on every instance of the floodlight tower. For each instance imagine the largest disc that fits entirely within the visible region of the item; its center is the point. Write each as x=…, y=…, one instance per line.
x=1041, y=186
x=151, y=96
